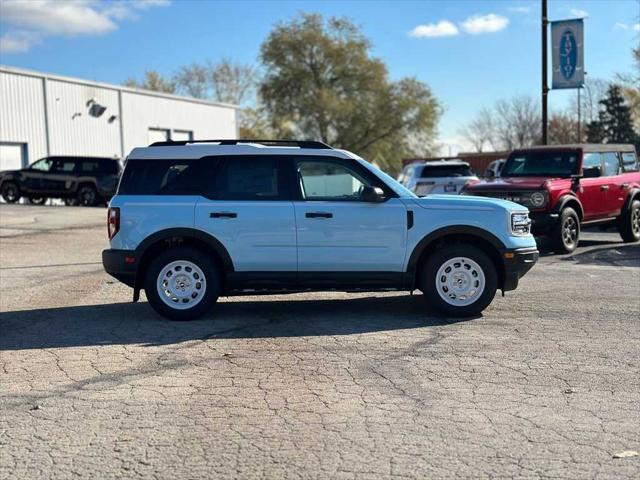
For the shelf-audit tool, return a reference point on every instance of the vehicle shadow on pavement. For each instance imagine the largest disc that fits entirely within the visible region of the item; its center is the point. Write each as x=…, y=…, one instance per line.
x=137, y=323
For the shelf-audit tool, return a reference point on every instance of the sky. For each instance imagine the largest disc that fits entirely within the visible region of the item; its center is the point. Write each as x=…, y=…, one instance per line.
x=470, y=52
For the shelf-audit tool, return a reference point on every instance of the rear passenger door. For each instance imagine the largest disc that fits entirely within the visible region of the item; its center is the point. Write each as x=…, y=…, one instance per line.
x=61, y=177
x=593, y=188
x=613, y=179
x=248, y=208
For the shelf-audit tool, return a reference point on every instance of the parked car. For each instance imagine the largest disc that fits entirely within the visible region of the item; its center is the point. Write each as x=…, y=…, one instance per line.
x=567, y=187
x=444, y=176
x=195, y=220
x=84, y=181
x=494, y=168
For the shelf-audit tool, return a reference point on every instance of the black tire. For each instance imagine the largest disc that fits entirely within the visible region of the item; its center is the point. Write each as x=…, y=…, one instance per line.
x=38, y=200
x=87, y=196
x=199, y=259
x=10, y=192
x=629, y=223
x=566, y=234
x=430, y=283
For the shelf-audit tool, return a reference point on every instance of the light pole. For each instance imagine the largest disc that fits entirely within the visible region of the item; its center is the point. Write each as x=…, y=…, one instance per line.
x=545, y=87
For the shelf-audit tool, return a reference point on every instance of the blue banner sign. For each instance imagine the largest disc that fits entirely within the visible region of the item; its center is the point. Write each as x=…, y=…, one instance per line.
x=567, y=43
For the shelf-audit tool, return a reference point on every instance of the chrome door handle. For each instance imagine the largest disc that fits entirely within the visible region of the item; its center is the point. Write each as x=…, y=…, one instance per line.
x=604, y=187
x=318, y=215
x=223, y=215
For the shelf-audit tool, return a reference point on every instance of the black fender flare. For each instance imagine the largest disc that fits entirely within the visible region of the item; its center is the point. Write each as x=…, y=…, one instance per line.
x=562, y=203
x=451, y=230
x=634, y=194
x=193, y=233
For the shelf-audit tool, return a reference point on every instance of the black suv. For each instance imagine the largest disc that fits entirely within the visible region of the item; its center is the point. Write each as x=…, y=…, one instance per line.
x=83, y=181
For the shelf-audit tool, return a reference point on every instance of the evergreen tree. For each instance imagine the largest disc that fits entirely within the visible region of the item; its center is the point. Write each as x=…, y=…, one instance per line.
x=614, y=123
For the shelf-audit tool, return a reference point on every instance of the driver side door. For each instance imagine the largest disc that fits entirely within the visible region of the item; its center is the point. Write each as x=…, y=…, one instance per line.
x=32, y=178
x=336, y=230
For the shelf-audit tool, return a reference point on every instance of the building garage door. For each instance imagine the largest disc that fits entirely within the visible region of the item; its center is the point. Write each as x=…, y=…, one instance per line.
x=12, y=156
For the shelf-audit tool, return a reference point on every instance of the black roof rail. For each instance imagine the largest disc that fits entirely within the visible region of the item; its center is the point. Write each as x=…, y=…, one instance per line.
x=274, y=143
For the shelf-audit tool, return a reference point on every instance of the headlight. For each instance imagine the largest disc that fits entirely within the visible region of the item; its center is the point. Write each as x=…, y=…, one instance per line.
x=537, y=199
x=520, y=224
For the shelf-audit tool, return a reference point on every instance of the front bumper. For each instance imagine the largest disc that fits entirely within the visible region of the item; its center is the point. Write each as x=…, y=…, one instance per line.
x=121, y=264
x=517, y=262
x=543, y=222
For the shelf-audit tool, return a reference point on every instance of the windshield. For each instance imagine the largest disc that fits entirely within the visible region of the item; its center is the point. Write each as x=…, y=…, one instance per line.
x=430, y=171
x=541, y=164
x=390, y=181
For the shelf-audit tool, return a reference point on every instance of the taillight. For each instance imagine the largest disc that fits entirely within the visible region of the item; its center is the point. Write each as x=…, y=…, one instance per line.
x=113, y=221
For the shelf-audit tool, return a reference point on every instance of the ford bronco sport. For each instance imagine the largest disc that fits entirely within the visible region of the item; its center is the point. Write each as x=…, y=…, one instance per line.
x=569, y=186
x=194, y=220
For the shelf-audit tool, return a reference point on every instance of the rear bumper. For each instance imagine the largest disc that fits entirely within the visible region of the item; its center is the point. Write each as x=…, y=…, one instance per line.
x=517, y=262
x=121, y=264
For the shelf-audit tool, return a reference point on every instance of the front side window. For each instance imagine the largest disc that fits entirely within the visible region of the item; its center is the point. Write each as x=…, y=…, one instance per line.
x=591, y=165
x=542, y=163
x=161, y=177
x=611, y=164
x=630, y=162
x=322, y=180
x=248, y=178
x=43, y=165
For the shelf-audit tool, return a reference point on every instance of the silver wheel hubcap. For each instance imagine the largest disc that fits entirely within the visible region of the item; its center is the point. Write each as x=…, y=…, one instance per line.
x=460, y=281
x=635, y=220
x=570, y=231
x=181, y=284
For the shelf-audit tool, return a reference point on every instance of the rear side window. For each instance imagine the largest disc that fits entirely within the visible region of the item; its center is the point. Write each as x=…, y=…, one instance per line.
x=89, y=166
x=611, y=164
x=161, y=177
x=630, y=162
x=64, y=165
x=249, y=178
x=446, y=171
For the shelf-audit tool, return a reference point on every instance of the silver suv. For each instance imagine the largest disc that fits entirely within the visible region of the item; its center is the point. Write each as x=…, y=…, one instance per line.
x=444, y=176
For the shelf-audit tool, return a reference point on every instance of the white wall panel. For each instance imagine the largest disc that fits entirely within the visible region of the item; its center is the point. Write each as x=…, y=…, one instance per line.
x=142, y=112
x=72, y=130
x=22, y=113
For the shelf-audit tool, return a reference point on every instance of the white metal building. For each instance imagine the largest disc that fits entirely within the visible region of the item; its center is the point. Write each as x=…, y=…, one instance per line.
x=42, y=114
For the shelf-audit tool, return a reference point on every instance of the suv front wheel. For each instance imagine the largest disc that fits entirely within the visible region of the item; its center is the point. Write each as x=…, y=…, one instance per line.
x=459, y=280
x=566, y=234
x=182, y=284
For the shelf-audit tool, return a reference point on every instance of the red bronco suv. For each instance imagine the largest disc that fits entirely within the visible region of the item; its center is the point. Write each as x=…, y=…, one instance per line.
x=569, y=186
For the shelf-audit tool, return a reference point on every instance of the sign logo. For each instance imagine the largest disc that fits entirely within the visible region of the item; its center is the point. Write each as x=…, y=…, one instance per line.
x=568, y=54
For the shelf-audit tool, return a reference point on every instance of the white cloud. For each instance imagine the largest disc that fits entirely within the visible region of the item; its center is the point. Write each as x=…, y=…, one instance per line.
x=34, y=19
x=519, y=9
x=624, y=26
x=490, y=23
x=444, y=28
x=16, y=42
x=576, y=12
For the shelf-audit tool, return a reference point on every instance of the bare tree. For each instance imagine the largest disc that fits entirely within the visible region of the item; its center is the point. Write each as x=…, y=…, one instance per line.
x=479, y=132
x=593, y=91
x=563, y=129
x=152, y=81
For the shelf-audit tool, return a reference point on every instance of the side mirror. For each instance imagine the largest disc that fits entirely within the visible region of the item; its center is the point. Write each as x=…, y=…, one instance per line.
x=371, y=194
x=490, y=174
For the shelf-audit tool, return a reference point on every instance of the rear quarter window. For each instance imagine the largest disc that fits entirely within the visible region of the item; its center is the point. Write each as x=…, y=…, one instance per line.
x=162, y=177
x=630, y=162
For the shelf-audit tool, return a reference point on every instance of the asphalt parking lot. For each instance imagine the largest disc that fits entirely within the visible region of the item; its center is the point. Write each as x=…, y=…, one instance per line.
x=546, y=384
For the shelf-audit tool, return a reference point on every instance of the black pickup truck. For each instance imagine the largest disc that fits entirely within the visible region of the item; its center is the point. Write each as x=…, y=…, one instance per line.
x=85, y=181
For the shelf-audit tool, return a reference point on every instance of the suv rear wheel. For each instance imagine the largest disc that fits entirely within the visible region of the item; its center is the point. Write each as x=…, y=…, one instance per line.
x=182, y=284
x=87, y=196
x=629, y=223
x=10, y=192
x=566, y=234
x=459, y=280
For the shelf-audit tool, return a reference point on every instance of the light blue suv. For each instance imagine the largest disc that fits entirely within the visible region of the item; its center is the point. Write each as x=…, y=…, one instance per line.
x=196, y=220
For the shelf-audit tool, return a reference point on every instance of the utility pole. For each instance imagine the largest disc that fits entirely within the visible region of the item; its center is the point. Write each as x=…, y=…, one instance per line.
x=545, y=87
